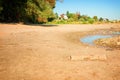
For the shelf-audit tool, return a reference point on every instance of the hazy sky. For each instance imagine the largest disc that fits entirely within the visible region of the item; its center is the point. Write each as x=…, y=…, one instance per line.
x=102, y=8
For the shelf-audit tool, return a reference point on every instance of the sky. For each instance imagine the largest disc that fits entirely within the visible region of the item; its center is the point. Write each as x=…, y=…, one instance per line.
x=102, y=8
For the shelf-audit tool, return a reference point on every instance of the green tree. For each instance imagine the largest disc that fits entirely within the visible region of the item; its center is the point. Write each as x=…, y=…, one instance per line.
x=107, y=20
x=0, y=6
x=95, y=18
x=67, y=13
x=78, y=15
x=12, y=10
x=52, y=3
x=38, y=11
x=90, y=20
x=35, y=11
x=56, y=15
x=85, y=17
x=101, y=19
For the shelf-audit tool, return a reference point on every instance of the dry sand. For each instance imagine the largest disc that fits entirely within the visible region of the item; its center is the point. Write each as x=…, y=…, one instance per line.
x=35, y=52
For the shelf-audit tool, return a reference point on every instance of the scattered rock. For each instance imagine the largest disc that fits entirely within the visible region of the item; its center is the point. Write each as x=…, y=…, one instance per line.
x=113, y=42
x=89, y=57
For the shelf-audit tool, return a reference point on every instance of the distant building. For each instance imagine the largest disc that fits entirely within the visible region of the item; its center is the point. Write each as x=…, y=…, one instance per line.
x=63, y=16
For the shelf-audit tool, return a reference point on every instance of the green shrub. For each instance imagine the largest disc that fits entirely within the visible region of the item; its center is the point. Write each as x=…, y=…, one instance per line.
x=91, y=21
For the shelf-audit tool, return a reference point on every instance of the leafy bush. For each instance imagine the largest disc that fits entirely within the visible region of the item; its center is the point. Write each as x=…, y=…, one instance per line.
x=91, y=21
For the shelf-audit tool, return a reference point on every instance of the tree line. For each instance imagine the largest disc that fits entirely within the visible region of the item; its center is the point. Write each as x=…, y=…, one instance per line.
x=77, y=18
x=29, y=11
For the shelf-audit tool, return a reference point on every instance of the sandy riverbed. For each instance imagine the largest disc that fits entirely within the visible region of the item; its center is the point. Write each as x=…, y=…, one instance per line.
x=34, y=52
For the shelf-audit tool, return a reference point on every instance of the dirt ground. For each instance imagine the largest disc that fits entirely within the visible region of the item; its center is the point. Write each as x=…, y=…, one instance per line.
x=48, y=52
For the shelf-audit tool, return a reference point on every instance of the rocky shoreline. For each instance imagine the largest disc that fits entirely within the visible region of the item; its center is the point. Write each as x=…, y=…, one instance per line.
x=113, y=42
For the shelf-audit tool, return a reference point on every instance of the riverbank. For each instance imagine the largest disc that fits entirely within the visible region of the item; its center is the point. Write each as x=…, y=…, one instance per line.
x=113, y=42
x=110, y=42
x=35, y=52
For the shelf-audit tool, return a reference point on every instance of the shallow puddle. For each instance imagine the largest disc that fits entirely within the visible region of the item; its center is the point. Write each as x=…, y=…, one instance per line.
x=90, y=39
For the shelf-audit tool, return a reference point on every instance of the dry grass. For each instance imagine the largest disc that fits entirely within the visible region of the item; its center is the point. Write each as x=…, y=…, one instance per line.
x=113, y=42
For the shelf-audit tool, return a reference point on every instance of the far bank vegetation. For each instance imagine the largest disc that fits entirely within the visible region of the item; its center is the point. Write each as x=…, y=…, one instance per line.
x=77, y=18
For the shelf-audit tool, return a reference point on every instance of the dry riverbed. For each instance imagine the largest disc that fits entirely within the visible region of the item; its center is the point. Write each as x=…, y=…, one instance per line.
x=54, y=52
